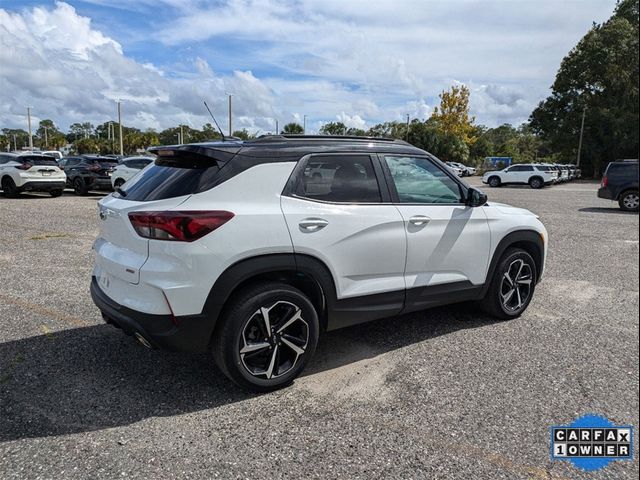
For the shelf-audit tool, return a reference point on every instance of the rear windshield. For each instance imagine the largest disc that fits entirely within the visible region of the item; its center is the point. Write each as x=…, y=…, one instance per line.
x=172, y=177
x=38, y=160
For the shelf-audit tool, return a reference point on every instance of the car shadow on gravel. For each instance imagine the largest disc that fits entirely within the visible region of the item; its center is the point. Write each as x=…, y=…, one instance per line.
x=608, y=210
x=93, y=378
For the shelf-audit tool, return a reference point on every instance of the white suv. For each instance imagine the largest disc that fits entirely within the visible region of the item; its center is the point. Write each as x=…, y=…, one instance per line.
x=252, y=249
x=127, y=168
x=30, y=172
x=536, y=176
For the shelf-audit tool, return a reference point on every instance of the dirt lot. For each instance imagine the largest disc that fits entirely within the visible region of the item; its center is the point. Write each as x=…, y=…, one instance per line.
x=445, y=393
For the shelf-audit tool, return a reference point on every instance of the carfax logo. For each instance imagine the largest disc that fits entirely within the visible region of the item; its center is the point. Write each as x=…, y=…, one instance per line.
x=592, y=442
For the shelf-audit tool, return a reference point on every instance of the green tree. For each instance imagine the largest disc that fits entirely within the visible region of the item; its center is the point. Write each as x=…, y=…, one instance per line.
x=599, y=77
x=294, y=128
x=333, y=128
x=48, y=136
x=452, y=115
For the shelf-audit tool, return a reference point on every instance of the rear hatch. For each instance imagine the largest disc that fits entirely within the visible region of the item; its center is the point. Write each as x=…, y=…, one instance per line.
x=104, y=167
x=162, y=186
x=40, y=167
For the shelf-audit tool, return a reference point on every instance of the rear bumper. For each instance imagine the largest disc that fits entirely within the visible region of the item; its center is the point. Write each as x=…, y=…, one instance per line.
x=102, y=183
x=43, y=186
x=190, y=333
x=605, y=193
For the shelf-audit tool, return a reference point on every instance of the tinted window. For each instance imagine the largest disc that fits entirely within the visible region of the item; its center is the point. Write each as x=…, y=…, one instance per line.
x=38, y=160
x=521, y=168
x=348, y=178
x=419, y=180
x=173, y=177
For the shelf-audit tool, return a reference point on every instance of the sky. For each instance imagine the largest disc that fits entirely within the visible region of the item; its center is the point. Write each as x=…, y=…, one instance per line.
x=356, y=61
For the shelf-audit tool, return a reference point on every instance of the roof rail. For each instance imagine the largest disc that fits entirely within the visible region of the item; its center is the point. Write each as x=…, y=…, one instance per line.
x=290, y=137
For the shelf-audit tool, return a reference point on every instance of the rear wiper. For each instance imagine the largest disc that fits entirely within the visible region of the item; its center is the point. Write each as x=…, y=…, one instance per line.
x=121, y=192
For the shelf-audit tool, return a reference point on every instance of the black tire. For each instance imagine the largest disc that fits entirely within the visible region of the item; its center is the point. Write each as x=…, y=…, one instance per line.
x=79, y=186
x=270, y=361
x=55, y=193
x=9, y=188
x=536, y=183
x=495, y=182
x=629, y=201
x=494, y=301
x=118, y=183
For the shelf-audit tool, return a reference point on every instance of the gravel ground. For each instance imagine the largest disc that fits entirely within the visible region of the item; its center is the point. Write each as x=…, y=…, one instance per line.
x=445, y=393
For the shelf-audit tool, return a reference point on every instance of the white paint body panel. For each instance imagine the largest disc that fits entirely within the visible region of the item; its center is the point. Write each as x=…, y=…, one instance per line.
x=452, y=247
x=364, y=246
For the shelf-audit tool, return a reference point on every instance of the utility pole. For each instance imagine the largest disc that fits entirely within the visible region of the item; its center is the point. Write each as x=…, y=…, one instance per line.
x=277, y=129
x=407, y=136
x=304, y=124
x=15, y=142
x=229, y=95
x=584, y=112
x=120, y=128
x=46, y=138
x=181, y=135
x=29, y=123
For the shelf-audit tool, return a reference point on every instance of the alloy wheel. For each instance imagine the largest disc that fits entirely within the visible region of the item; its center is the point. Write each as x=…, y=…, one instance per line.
x=273, y=340
x=515, y=288
x=631, y=201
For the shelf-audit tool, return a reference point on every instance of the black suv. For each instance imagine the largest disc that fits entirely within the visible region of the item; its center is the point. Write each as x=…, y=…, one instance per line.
x=88, y=172
x=620, y=183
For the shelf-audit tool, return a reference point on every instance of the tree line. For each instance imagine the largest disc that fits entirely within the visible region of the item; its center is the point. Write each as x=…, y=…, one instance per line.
x=597, y=81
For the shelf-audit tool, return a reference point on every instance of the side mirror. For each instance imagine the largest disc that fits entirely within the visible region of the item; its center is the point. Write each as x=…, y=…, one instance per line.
x=475, y=198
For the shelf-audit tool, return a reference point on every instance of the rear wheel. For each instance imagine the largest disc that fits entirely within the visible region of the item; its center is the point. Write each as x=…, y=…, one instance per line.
x=79, y=187
x=512, y=285
x=55, y=193
x=536, y=183
x=629, y=201
x=9, y=187
x=266, y=336
x=494, y=182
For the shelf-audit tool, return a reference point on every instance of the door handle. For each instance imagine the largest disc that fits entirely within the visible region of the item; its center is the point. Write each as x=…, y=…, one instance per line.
x=419, y=220
x=310, y=225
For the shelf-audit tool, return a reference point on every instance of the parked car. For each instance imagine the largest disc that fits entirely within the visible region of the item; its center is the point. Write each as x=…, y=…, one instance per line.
x=53, y=153
x=564, y=173
x=466, y=170
x=127, y=168
x=88, y=172
x=620, y=184
x=458, y=171
x=30, y=172
x=536, y=176
x=247, y=249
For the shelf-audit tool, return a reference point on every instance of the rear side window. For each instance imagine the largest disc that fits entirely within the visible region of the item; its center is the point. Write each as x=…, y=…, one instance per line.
x=173, y=177
x=336, y=178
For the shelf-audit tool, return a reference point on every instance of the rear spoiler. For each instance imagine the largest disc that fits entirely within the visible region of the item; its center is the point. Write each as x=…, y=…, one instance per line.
x=219, y=151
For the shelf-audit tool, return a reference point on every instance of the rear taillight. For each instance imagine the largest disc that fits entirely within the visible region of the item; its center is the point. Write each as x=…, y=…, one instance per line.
x=24, y=166
x=178, y=226
x=605, y=182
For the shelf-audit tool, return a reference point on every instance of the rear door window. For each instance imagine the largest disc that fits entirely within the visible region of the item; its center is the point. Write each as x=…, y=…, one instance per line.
x=339, y=178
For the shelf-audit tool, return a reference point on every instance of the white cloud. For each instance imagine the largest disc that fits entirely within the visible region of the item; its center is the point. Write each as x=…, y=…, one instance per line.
x=360, y=61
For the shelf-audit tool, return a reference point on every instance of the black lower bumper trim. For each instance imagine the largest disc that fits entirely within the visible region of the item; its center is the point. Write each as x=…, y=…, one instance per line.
x=42, y=186
x=189, y=333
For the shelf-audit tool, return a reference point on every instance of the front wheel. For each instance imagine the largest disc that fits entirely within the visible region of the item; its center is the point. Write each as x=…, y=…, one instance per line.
x=512, y=285
x=629, y=201
x=266, y=336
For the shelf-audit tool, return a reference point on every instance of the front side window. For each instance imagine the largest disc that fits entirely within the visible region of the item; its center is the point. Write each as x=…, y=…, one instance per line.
x=419, y=180
x=335, y=178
